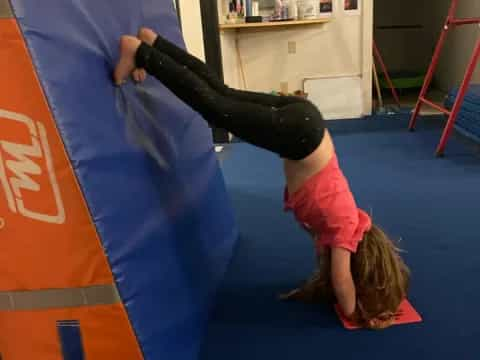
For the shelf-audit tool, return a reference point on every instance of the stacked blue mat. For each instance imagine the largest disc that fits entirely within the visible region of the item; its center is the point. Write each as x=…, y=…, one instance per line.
x=468, y=121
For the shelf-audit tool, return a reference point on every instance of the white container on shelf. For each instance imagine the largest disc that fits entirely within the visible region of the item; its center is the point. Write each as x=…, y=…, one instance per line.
x=307, y=9
x=293, y=10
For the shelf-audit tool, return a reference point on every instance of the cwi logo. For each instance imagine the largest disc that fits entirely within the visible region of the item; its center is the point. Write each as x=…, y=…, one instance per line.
x=26, y=170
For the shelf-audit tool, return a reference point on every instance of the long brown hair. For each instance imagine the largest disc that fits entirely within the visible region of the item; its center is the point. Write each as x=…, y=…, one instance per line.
x=381, y=278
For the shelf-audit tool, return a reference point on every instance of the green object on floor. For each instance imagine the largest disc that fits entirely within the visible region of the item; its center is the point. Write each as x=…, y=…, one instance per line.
x=404, y=80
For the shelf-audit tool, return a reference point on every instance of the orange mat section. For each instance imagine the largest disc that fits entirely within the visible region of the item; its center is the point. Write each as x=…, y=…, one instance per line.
x=48, y=238
x=33, y=335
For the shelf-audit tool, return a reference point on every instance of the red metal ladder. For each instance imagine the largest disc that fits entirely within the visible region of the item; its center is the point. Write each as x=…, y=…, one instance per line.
x=378, y=56
x=451, y=22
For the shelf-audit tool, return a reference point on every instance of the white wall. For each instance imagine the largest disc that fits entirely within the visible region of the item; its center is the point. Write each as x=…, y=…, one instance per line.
x=459, y=46
x=341, y=47
x=192, y=27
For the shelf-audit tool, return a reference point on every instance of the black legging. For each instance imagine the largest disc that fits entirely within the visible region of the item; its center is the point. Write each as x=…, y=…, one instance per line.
x=289, y=126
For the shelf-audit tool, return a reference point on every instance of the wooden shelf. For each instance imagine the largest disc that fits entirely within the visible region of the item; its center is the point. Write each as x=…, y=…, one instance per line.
x=273, y=24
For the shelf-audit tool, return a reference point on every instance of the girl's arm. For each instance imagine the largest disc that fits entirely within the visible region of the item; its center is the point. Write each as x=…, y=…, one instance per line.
x=342, y=281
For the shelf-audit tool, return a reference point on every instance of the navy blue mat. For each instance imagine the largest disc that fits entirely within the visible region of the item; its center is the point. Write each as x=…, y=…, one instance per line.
x=468, y=120
x=431, y=204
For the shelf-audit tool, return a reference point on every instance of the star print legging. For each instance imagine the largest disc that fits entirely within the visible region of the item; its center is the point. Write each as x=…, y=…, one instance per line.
x=290, y=126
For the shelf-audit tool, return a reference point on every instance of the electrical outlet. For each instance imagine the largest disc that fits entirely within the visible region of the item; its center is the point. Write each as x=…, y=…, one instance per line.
x=292, y=47
x=284, y=87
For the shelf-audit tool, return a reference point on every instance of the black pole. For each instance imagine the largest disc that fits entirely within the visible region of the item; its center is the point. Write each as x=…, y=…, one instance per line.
x=179, y=16
x=213, y=51
x=211, y=35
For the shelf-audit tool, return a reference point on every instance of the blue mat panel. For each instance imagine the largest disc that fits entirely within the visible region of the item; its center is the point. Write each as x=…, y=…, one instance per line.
x=164, y=217
x=70, y=336
x=431, y=204
x=468, y=121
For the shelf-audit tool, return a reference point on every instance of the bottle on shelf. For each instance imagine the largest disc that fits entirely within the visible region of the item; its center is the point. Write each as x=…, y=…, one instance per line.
x=293, y=10
x=284, y=12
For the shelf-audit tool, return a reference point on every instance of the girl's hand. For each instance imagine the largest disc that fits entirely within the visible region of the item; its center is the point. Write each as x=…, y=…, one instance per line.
x=382, y=322
x=295, y=294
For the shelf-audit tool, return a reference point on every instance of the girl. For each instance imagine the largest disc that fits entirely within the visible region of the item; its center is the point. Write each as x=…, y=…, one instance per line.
x=360, y=266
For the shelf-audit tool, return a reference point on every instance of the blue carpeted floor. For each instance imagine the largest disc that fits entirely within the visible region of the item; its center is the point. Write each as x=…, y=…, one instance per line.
x=431, y=204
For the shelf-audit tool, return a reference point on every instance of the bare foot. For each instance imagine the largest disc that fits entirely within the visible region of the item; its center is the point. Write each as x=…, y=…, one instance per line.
x=126, y=64
x=147, y=35
x=139, y=75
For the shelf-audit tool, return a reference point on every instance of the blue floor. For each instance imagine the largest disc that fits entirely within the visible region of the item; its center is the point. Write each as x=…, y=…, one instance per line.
x=431, y=204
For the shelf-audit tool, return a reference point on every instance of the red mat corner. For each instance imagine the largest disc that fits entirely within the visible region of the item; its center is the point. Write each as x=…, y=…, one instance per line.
x=406, y=314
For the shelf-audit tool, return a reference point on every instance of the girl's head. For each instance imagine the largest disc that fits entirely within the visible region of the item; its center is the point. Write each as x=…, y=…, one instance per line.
x=380, y=275
x=381, y=278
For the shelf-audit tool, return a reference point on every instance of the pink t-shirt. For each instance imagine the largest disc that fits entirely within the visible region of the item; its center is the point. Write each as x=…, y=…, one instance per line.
x=325, y=205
